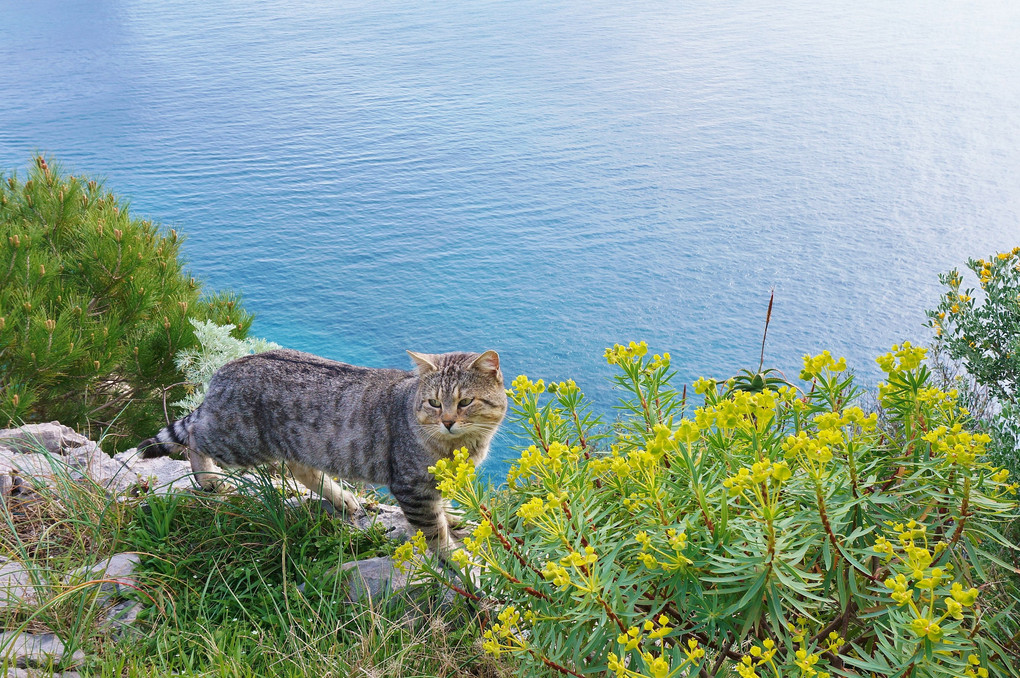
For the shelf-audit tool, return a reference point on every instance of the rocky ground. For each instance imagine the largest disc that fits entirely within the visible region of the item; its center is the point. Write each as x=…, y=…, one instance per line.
x=39, y=455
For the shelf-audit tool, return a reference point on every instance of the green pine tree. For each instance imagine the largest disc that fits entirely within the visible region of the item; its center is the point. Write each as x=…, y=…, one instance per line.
x=94, y=305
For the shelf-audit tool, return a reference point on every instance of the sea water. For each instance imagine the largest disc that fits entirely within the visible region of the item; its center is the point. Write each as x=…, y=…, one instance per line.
x=544, y=178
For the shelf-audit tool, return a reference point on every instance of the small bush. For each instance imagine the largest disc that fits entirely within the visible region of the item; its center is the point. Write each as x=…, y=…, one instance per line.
x=984, y=332
x=774, y=532
x=94, y=305
x=980, y=330
x=216, y=347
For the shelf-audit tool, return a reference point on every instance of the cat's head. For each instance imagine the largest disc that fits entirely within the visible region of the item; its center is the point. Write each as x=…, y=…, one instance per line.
x=460, y=395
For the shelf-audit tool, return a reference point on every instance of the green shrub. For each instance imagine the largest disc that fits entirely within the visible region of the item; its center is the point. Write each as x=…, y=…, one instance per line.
x=774, y=533
x=981, y=331
x=984, y=332
x=94, y=304
x=216, y=347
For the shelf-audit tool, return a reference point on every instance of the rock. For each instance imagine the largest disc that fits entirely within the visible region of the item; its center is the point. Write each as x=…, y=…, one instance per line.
x=122, y=615
x=36, y=466
x=31, y=650
x=37, y=673
x=54, y=437
x=16, y=585
x=373, y=579
x=390, y=518
x=112, y=474
x=117, y=570
x=163, y=475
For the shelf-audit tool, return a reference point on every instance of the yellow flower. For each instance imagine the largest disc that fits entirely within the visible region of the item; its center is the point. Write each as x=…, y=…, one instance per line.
x=659, y=667
x=965, y=598
x=483, y=531
x=557, y=574
x=616, y=665
x=703, y=386
x=405, y=554
x=924, y=627
x=626, y=355
x=687, y=432
x=461, y=558
x=630, y=640
x=693, y=651
x=816, y=365
x=532, y=509
x=454, y=475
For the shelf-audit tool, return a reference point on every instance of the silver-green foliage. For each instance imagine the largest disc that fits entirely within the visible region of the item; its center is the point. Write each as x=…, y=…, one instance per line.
x=216, y=348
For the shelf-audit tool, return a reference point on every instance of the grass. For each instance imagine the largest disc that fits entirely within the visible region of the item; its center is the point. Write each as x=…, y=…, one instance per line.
x=242, y=585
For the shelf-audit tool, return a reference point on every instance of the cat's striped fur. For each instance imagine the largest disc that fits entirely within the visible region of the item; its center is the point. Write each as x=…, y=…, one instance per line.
x=326, y=418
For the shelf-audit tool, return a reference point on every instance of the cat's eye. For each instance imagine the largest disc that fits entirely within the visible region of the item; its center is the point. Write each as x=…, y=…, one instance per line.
x=435, y=403
x=465, y=402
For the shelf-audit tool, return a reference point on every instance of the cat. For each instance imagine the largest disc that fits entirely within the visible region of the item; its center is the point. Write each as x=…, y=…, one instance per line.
x=325, y=418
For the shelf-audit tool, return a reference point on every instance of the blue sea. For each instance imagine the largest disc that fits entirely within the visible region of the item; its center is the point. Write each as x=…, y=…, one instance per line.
x=544, y=178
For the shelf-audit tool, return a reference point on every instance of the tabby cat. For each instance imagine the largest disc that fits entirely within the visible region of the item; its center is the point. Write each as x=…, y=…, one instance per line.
x=326, y=418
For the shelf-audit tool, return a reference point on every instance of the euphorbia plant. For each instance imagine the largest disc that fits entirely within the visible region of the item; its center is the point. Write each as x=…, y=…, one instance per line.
x=781, y=532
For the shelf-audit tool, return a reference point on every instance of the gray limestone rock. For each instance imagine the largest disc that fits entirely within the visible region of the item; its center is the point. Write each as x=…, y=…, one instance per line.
x=390, y=518
x=39, y=673
x=35, y=650
x=16, y=585
x=117, y=571
x=162, y=475
x=35, y=466
x=54, y=436
x=373, y=579
x=112, y=474
x=121, y=616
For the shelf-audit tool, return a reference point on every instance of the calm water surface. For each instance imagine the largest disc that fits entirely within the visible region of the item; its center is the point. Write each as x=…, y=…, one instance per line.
x=544, y=178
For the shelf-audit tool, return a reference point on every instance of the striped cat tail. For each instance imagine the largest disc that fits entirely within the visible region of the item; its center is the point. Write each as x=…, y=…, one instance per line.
x=163, y=443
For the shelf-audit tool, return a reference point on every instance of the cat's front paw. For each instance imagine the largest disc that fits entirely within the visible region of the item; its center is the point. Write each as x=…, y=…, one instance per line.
x=216, y=485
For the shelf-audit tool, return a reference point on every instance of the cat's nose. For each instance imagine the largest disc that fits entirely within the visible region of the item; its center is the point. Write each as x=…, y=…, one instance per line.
x=448, y=424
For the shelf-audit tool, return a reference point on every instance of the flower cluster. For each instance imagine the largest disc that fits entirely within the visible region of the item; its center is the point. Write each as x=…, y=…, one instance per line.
x=506, y=635
x=806, y=661
x=625, y=355
x=522, y=386
x=670, y=554
x=574, y=569
x=815, y=450
x=902, y=358
x=455, y=476
x=986, y=269
x=408, y=555
x=563, y=388
x=544, y=513
x=758, y=473
x=816, y=366
x=958, y=446
x=918, y=586
x=657, y=665
x=742, y=410
x=539, y=463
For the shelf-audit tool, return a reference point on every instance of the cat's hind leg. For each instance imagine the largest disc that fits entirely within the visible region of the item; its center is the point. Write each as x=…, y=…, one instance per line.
x=327, y=488
x=207, y=474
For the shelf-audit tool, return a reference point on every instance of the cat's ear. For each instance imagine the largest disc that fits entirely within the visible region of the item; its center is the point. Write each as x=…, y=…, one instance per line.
x=487, y=362
x=423, y=361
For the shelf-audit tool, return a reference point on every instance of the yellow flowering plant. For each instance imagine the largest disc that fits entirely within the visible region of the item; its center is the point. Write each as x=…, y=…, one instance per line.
x=772, y=532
